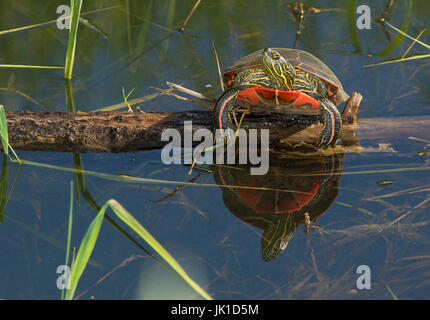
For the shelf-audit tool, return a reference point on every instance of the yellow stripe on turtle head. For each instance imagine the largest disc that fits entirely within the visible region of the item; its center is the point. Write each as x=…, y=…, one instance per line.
x=280, y=72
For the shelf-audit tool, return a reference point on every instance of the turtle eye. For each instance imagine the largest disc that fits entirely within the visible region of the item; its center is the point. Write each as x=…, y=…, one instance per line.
x=333, y=89
x=275, y=55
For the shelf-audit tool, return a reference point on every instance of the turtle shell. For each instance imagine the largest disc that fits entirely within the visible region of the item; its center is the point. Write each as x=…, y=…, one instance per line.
x=280, y=199
x=291, y=185
x=299, y=59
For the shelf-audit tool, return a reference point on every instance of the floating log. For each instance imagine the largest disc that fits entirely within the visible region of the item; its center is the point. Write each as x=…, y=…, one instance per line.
x=130, y=132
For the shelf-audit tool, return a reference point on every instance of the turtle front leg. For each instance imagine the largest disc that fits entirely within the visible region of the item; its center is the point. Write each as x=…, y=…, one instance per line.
x=332, y=123
x=222, y=112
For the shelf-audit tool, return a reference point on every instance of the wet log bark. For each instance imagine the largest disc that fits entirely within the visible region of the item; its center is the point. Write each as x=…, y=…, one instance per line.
x=131, y=132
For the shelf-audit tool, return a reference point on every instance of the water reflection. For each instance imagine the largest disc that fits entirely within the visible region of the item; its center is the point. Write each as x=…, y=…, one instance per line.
x=293, y=192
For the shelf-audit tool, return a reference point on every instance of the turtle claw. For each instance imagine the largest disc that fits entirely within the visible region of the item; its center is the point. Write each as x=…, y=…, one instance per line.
x=331, y=125
x=326, y=140
x=323, y=143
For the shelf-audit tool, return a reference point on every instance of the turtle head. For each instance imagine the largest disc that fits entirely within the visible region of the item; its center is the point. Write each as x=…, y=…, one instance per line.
x=276, y=237
x=280, y=72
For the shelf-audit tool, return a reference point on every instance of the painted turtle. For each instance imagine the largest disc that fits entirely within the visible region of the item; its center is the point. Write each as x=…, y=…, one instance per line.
x=288, y=195
x=283, y=80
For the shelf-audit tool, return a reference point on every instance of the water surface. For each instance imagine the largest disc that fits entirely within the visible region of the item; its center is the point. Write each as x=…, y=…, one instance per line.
x=215, y=232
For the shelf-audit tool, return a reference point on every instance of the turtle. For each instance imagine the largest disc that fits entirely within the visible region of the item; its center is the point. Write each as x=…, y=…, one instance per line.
x=290, y=194
x=282, y=80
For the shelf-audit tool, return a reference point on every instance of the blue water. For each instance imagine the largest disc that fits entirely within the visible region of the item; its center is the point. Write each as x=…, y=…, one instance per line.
x=195, y=224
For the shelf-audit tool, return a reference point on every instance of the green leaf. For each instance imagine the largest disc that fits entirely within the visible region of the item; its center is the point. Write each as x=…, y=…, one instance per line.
x=27, y=66
x=90, y=238
x=399, y=37
x=3, y=130
x=125, y=216
x=415, y=57
x=408, y=36
x=84, y=252
x=75, y=7
x=69, y=231
x=4, y=182
x=352, y=26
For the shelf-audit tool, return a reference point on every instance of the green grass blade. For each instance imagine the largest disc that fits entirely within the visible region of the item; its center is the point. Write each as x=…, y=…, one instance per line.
x=169, y=22
x=408, y=36
x=46, y=23
x=352, y=27
x=75, y=6
x=79, y=174
x=28, y=66
x=139, y=180
x=125, y=216
x=90, y=238
x=22, y=94
x=400, y=36
x=3, y=130
x=419, y=56
x=143, y=30
x=4, y=182
x=84, y=252
x=391, y=292
x=82, y=188
x=70, y=101
x=69, y=231
x=4, y=135
x=131, y=102
x=38, y=25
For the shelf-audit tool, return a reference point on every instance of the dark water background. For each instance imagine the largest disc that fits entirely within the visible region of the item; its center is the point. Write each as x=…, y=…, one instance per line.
x=221, y=252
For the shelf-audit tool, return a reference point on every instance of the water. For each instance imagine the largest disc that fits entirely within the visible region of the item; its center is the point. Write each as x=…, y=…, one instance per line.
x=213, y=231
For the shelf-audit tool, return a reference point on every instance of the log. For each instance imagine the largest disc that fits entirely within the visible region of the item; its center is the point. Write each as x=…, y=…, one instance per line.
x=114, y=131
x=131, y=132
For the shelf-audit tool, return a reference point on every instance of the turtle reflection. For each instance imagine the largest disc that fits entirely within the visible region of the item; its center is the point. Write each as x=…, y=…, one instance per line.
x=293, y=192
